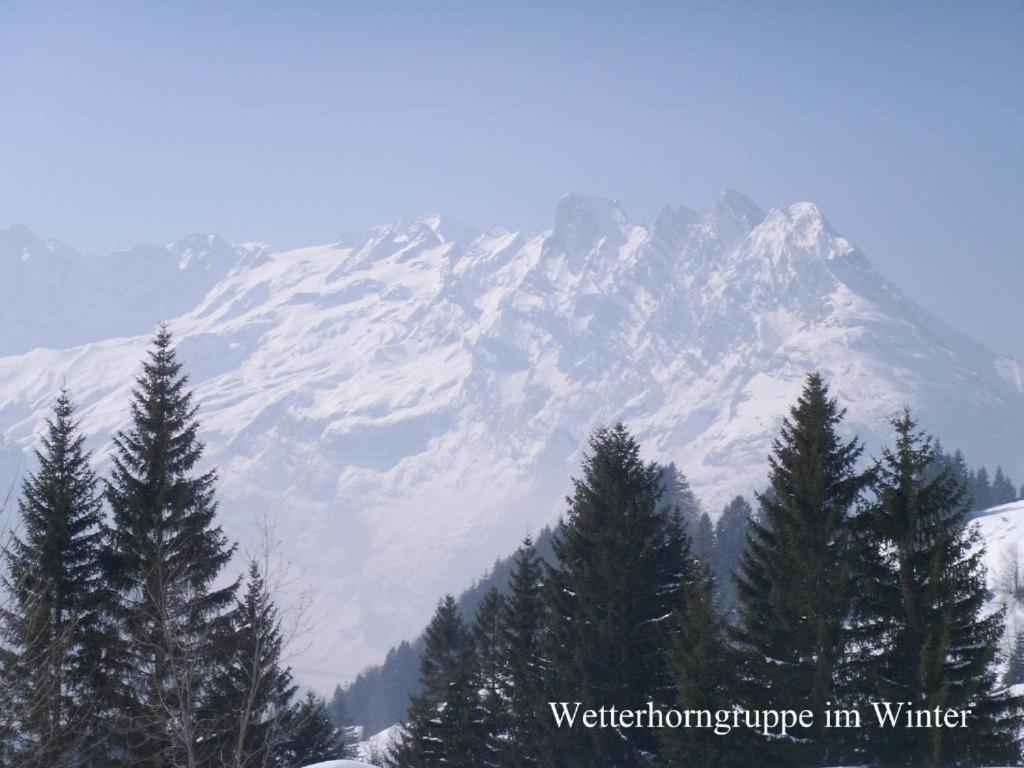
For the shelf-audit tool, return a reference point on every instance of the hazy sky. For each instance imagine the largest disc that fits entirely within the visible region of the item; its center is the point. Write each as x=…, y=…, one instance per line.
x=293, y=122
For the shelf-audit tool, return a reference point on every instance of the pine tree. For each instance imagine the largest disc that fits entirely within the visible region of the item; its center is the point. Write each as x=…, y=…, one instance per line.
x=53, y=656
x=702, y=667
x=440, y=730
x=921, y=614
x=794, y=584
x=312, y=737
x=704, y=539
x=1003, y=491
x=523, y=684
x=487, y=634
x=622, y=562
x=253, y=691
x=341, y=716
x=164, y=554
x=730, y=539
x=958, y=469
x=980, y=489
x=677, y=493
x=1015, y=663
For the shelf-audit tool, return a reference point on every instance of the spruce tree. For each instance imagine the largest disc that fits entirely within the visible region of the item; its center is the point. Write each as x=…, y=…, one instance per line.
x=1015, y=663
x=312, y=737
x=622, y=562
x=922, y=617
x=441, y=728
x=523, y=682
x=1003, y=491
x=794, y=584
x=487, y=634
x=704, y=539
x=678, y=494
x=980, y=489
x=163, y=558
x=730, y=539
x=341, y=716
x=53, y=654
x=253, y=691
x=702, y=667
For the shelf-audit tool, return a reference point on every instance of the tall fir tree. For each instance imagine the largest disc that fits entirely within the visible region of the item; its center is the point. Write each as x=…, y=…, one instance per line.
x=622, y=562
x=794, y=585
x=440, y=730
x=702, y=667
x=704, y=539
x=1014, y=674
x=53, y=653
x=253, y=690
x=1003, y=491
x=980, y=490
x=523, y=681
x=342, y=717
x=163, y=558
x=678, y=494
x=730, y=539
x=312, y=737
x=487, y=634
x=922, y=619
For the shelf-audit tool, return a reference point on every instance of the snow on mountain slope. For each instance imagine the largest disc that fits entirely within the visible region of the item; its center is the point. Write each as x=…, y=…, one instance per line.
x=408, y=403
x=1002, y=530
x=53, y=296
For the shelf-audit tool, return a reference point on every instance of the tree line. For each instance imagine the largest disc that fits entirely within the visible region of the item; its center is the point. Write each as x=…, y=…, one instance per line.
x=123, y=640
x=856, y=582
x=379, y=696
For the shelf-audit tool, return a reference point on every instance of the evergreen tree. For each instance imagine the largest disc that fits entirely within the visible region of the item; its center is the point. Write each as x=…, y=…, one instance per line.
x=341, y=717
x=795, y=576
x=523, y=682
x=312, y=737
x=164, y=555
x=379, y=696
x=677, y=493
x=53, y=655
x=440, y=730
x=980, y=489
x=622, y=562
x=1015, y=664
x=488, y=639
x=1003, y=491
x=701, y=664
x=730, y=539
x=704, y=539
x=253, y=692
x=958, y=470
x=921, y=616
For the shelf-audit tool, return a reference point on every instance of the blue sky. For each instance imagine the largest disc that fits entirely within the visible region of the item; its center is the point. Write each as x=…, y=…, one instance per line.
x=294, y=122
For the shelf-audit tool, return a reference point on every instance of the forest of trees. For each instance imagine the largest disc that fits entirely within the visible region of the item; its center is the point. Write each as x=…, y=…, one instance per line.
x=379, y=696
x=123, y=641
x=854, y=582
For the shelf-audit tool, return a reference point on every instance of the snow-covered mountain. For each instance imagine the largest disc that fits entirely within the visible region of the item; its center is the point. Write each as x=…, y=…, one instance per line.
x=407, y=403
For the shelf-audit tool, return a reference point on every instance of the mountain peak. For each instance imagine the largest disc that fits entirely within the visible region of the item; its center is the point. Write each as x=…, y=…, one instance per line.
x=671, y=224
x=735, y=206
x=20, y=242
x=580, y=220
x=448, y=229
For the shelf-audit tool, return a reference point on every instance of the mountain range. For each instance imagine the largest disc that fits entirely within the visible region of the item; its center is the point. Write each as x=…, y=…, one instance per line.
x=405, y=404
